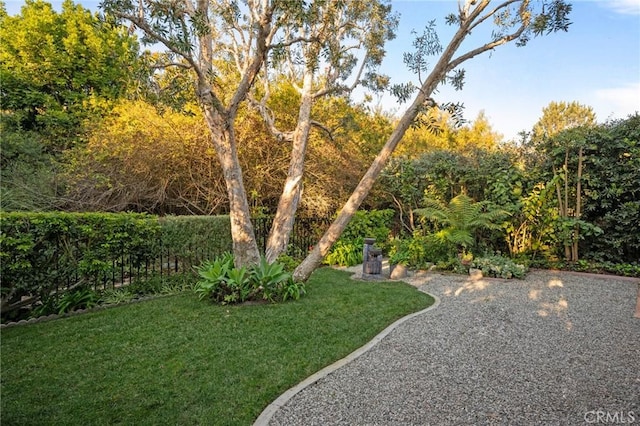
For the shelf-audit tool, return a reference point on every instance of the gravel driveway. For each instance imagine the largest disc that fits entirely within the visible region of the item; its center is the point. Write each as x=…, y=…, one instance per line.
x=554, y=349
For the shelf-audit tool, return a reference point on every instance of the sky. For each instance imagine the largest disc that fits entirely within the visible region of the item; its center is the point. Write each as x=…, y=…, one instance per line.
x=595, y=63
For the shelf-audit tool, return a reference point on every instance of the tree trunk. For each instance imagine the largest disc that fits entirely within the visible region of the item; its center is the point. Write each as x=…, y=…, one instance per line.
x=245, y=247
x=440, y=70
x=558, y=193
x=320, y=250
x=469, y=18
x=578, y=213
x=567, y=245
x=290, y=198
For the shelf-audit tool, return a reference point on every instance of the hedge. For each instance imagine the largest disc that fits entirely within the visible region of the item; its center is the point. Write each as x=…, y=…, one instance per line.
x=42, y=254
x=192, y=238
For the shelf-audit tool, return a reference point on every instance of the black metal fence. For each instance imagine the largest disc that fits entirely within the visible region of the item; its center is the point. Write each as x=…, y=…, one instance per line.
x=306, y=232
x=70, y=261
x=163, y=261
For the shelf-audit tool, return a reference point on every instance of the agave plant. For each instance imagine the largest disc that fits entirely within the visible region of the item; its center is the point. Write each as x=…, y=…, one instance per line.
x=214, y=275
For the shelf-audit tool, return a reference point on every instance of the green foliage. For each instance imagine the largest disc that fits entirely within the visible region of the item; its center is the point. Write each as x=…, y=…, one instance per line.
x=345, y=254
x=532, y=228
x=58, y=69
x=458, y=220
x=347, y=251
x=192, y=237
x=116, y=296
x=81, y=298
x=421, y=251
x=289, y=263
x=482, y=174
x=214, y=274
x=499, y=267
x=225, y=284
x=43, y=252
x=612, y=191
x=28, y=175
x=624, y=269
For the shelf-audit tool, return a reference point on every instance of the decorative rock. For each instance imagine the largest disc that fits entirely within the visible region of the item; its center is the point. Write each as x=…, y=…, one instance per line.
x=398, y=272
x=475, y=274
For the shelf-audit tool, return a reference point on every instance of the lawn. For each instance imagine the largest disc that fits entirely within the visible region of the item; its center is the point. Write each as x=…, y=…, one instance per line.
x=181, y=361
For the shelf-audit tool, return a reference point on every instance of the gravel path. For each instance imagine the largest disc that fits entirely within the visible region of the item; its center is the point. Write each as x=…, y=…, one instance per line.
x=554, y=349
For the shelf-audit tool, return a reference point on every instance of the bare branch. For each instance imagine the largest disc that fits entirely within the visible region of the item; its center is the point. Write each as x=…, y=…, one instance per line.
x=324, y=128
x=269, y=119
x=170, y=64
x=262, y=41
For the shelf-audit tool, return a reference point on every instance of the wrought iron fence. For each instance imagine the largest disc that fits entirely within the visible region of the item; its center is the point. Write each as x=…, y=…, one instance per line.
x=306, y=232
x=72, y=270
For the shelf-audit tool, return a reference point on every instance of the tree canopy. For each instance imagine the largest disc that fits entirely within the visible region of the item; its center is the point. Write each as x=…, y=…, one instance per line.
x=59, y=68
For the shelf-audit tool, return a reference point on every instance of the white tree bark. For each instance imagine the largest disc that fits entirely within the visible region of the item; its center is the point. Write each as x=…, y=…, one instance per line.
x=342, y=29
x=469, y=18
x=292, y=192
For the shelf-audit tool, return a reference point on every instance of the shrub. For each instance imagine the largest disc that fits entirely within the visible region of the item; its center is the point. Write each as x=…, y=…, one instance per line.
x=42, y=253
x=347, y=251
x=224, y=284
x=499, y=267
x=192, y=238
x=421, y=250
x=81, y=298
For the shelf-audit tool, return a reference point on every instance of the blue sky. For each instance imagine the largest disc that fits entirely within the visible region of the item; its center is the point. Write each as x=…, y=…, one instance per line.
x=596, y=63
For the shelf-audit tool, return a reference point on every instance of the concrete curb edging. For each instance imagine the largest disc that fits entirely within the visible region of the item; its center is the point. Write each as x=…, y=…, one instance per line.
x=265, y=417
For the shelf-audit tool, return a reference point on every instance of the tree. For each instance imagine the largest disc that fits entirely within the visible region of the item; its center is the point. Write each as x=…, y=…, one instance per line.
x=442, y=133
x=58, y=69
x=559, y=133
x=138, y=159
x=246, y=35
x=201, y=36
x=612, y=190
x=322, y=45
x=559, y=116
x=478, y=135
x=516, y=20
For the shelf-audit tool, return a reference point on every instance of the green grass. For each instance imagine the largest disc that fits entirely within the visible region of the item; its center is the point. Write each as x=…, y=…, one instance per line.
x=181, y=361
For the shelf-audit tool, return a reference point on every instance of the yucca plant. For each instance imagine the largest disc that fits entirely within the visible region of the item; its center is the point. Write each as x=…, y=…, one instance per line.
x=460, y=218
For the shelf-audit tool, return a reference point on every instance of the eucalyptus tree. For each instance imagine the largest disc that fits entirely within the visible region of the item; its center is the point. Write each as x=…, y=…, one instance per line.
x=202, y=36
x=325, y=48
x=329, y=39
x=514, y=21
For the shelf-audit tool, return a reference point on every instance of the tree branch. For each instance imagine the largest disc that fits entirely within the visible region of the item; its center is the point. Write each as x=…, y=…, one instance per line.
x=489, y=46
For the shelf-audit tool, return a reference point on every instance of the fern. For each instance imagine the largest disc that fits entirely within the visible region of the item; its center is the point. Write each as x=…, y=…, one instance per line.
x=461, y=218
